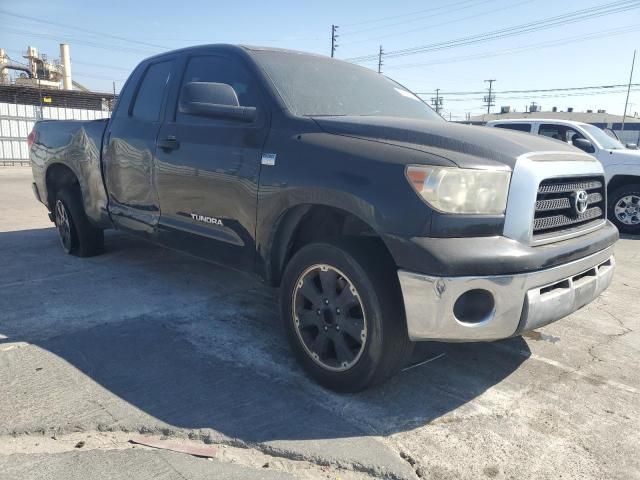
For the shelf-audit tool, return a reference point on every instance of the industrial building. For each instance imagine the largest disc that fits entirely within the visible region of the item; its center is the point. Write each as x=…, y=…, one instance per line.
x=42, y=89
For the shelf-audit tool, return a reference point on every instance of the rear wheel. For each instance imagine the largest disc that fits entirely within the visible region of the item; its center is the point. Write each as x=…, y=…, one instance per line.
x=344, y=315
x=63, y=224
x=76, y=233
x=624, y=208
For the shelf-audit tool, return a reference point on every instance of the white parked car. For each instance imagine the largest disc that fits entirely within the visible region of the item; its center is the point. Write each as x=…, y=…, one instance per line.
x=621, y=164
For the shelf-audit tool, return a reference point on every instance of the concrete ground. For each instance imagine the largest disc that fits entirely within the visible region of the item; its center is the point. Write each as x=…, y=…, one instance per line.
x=146, y=342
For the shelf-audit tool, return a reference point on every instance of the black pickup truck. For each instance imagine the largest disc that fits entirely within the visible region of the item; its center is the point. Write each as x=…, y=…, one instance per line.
x=381, y=223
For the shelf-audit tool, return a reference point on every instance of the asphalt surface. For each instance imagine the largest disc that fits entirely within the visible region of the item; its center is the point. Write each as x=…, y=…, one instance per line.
x=143, y=340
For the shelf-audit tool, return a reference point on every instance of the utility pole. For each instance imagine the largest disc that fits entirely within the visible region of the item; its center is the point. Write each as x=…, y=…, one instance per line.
x=437, y=101
x=334, y=39
x=624, y=115
x=490, y=98
x=380, y=53
x=40, y=95
x=113, y=100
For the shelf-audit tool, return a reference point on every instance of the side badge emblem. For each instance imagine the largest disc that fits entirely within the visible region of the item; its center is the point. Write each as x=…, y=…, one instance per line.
x=268, y=159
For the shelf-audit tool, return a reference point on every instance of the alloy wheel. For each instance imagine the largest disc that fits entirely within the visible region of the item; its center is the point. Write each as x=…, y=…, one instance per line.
x=329, y=317
x=63, y=225
x=627, y=210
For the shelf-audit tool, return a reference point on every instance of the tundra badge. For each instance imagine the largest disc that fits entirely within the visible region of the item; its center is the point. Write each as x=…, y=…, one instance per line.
x=203, y=218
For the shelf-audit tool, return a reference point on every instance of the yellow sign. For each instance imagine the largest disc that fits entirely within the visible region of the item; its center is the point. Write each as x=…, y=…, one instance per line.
x=46, y=99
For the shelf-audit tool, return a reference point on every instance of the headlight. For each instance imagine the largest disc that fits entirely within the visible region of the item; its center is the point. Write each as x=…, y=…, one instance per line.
x=461, y=190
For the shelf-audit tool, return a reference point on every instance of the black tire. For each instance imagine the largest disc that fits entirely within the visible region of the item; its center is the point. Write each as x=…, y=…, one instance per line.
x=363, y=265
x=628, y=223
x=77, y=235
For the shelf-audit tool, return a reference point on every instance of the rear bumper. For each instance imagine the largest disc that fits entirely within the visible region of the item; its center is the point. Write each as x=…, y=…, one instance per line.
x=520, y=302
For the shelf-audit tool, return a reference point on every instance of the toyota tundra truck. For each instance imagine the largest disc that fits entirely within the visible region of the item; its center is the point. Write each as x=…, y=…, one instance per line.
x=381, y=223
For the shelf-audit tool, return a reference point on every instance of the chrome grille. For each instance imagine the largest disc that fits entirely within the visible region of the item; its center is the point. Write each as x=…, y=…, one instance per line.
x=565, y=186
x=555, y=211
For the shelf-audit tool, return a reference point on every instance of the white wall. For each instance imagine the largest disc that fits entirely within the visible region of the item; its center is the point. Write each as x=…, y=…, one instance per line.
x=16, y=122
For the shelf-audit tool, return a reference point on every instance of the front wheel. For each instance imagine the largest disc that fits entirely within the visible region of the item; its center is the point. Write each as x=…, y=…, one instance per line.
x=344, y=315
x=624, y=208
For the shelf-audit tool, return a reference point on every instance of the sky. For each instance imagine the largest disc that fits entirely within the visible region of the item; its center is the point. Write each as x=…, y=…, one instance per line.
x=108, y=38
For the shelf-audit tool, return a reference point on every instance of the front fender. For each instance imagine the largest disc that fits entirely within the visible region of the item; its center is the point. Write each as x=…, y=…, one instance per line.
x=621, y=169
x=280, y=214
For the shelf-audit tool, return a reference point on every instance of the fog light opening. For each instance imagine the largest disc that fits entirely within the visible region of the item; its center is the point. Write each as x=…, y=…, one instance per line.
x=474, y=306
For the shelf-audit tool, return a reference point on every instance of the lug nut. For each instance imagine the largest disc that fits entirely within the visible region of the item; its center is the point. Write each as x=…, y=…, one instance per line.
x=337, y=328
x=326, y=328
x=337, y=311
x=319, y=312
x=326, y=301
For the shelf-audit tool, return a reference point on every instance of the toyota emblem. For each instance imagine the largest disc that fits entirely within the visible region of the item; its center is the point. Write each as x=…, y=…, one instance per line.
x=580, y=201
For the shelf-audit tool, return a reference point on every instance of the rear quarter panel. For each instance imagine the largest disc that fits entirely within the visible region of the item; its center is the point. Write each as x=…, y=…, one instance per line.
x=77, y=145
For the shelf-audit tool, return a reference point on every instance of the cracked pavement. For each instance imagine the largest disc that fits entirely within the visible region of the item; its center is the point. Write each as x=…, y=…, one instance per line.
x=143, y=340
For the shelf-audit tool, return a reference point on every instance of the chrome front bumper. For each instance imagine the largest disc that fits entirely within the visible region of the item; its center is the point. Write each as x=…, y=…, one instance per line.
x=521, y=302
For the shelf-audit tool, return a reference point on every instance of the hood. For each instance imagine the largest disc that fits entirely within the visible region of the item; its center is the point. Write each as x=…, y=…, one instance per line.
x=466, y=145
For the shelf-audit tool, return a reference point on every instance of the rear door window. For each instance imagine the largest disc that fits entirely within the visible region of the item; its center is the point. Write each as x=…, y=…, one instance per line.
x=552, y=131
x=151, y=92
x=520, y=127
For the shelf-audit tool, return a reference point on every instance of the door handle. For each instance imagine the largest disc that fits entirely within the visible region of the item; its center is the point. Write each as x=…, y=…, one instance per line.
x=169, y=143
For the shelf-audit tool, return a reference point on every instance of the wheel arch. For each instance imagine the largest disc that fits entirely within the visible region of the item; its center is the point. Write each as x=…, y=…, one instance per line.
x=305, y=223
x=57, y=176
x=621, y=180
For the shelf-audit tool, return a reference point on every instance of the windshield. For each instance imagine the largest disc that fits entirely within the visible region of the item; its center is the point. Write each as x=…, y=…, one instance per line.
x=319, y=86
x=604, y=140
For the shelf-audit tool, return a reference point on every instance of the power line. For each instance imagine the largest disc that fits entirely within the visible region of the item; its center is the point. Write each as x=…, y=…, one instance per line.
x=542, y=90
x=84, y=30
x=78, y=41
x=436, y=25
x=79, y=62
x=568, y=18
x=381, y=19
x=102, y=65
x=416, y=19
x=534, y=46
x=551, y=22
x=572, y=17
x=544, y=96
x=98, y=77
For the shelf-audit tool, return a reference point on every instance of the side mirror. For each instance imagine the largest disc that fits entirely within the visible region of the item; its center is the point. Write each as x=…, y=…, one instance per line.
x=584, y=144
x=215, y=100
x=632, y=146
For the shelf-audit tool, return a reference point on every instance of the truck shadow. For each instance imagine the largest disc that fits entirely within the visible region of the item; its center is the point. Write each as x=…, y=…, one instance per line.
x=196, y=346
x=627, y=236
